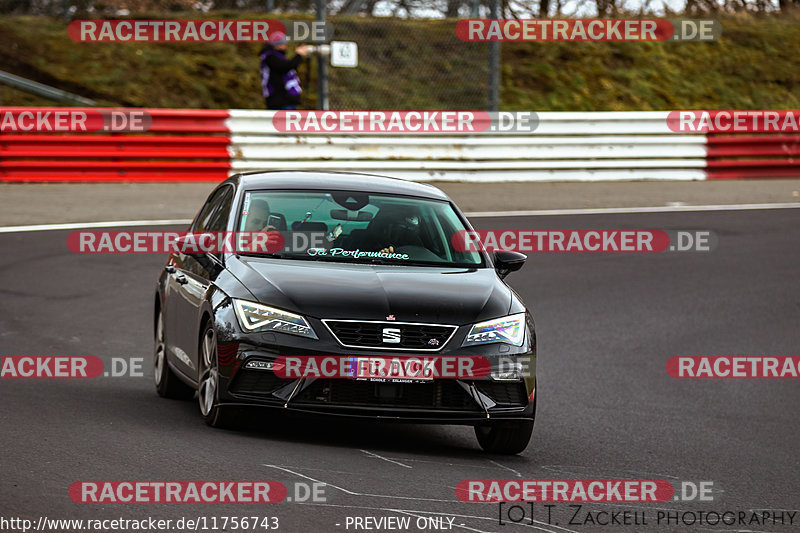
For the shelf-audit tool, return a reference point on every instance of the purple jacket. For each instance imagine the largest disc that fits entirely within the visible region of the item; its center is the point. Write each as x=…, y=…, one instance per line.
x=280, y=84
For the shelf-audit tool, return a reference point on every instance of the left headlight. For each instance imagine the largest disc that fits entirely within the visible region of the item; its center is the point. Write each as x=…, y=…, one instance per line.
x=253, y=316
x=509, y=329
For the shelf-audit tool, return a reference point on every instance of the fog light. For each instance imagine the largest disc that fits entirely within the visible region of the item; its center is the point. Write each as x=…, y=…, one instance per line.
x=509, y=371
x=259, y=365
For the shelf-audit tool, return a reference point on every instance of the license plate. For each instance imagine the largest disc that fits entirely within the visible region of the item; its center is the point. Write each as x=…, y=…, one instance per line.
x=393, y=369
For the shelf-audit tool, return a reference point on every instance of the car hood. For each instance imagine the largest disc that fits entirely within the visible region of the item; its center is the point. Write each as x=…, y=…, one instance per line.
x=374, y=292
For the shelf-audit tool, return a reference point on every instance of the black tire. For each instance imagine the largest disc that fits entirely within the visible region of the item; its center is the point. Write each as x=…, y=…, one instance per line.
x=168, y=385
x=214, y=414
x=508, y=438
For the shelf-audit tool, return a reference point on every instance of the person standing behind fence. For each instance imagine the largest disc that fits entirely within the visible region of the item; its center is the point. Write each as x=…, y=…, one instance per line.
x=280, y=83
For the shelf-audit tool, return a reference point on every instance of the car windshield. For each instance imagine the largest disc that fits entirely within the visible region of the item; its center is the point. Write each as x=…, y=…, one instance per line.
x=358, y=227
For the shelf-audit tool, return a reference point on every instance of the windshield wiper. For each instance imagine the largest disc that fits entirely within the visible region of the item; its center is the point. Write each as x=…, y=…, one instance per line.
x=265, y=254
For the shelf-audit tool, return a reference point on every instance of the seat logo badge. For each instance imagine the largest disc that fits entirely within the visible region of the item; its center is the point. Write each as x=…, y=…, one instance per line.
x=391, y=336
x=433, y=342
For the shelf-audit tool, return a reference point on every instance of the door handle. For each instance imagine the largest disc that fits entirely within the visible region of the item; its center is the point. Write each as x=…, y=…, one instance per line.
x=180, y=278
x=170, y=269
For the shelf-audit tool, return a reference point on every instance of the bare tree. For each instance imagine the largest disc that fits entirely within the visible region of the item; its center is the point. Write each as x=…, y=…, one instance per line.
x=606, y=8
x=544, y=8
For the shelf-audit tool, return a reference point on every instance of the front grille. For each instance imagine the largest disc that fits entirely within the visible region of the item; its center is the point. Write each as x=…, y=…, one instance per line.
x=504, y=393
x=417, y=337
x=436, y=395
x=256, y=382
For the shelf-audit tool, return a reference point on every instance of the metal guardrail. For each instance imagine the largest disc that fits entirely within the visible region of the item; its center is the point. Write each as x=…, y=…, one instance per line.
x=565, y=146
x=181, y=145
x=43, y=90
x=208, y=145
x=747, y=156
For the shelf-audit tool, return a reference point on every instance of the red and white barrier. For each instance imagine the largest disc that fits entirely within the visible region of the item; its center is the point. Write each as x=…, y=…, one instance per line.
x=179, y=145
x=209, y=145
x=752, y=156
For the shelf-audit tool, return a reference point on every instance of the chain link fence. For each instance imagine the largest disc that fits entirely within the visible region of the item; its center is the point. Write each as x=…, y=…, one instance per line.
x=408, y=64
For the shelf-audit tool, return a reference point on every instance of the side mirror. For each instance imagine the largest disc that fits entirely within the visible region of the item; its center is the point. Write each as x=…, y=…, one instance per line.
x=508, y=262
x=189, y=245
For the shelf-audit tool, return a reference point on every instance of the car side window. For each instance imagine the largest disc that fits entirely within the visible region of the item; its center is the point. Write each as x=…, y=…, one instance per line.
x=214, y=215
x=221, y=214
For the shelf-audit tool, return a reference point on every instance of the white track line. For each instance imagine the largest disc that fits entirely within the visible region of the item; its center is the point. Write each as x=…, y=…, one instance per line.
x=504, y=467
x=385, y=459
x=84, y=225
x=354, y=493
x=652, y=209
x=475, y=214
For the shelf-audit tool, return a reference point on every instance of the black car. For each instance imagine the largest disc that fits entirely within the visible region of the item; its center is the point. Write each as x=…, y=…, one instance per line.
x=383, y=277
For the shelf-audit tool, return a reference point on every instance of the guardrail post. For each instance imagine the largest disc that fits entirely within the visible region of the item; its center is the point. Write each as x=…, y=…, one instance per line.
x=494, y=63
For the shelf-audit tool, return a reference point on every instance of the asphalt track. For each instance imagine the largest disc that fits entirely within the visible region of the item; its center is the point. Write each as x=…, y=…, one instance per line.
x=606, y=324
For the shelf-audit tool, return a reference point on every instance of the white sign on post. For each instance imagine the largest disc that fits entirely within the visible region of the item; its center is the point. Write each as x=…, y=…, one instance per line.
x=344, y=54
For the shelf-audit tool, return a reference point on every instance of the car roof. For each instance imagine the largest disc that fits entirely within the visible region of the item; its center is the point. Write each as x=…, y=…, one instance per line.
x=343, y=181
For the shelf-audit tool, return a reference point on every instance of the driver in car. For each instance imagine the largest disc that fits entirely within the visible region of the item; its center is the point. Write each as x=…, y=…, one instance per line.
x=258, y=221
x=258, y=217
x=397, y=227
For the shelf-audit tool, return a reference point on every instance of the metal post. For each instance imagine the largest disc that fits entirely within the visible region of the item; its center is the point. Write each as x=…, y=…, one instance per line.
x=494, y=63
x=475, y=9
x=322, y=65
x=270, y=6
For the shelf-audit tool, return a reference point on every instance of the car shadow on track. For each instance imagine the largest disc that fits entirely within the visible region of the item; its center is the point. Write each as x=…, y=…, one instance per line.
x=270, y=425
x=431, y=439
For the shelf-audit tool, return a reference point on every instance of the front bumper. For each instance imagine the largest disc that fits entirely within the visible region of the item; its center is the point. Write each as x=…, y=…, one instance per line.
x=451, y=401
x=440, y=400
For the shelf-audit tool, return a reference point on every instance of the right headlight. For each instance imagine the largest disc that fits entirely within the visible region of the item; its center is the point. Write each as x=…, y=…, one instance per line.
x=257, y=317
x=509, y=329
